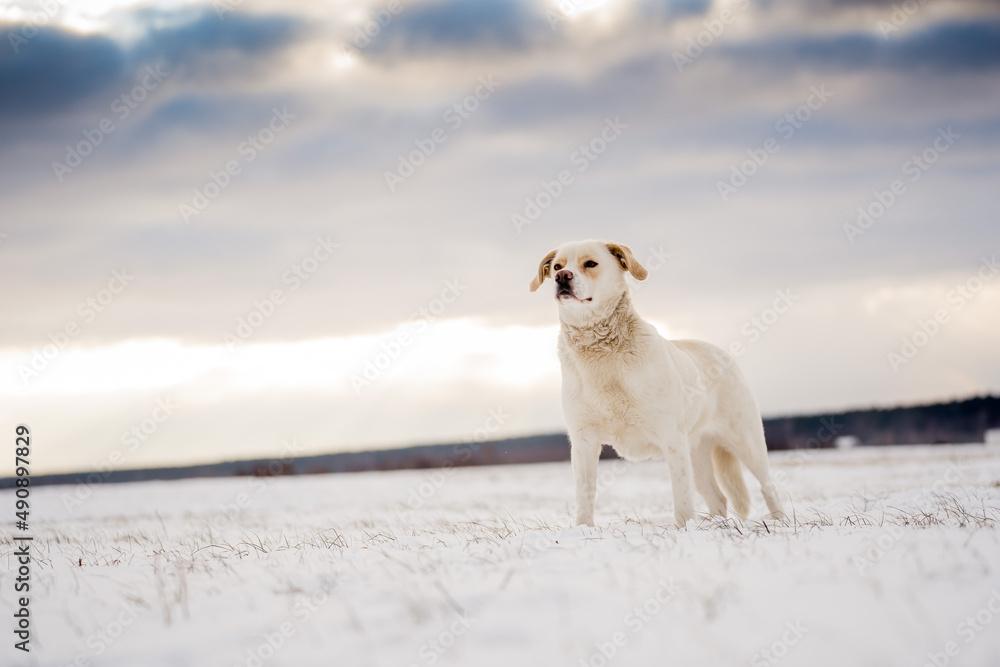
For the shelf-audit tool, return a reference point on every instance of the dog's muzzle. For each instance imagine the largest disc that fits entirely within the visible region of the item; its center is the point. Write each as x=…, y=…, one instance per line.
x=564, y=283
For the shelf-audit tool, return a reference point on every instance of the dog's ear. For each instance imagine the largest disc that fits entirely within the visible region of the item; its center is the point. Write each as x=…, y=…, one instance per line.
x=544, y=269
x=628, y=261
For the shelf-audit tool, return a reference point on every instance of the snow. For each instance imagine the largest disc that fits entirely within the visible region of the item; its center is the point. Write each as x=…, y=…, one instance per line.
x=890, y=554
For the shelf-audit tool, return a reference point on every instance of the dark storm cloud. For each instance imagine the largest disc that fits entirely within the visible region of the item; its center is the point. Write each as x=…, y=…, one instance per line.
x=55, y=69
x=187, y=43
x=944, y=48
x=836, y=5
x=500, y=25
x=669, y=10
x=506, y=25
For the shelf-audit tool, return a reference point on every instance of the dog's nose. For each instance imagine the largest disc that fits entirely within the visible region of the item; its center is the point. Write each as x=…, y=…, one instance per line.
x=564, y=276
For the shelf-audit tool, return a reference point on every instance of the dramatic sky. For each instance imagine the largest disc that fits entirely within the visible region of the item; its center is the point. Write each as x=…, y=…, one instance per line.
x=229, y=226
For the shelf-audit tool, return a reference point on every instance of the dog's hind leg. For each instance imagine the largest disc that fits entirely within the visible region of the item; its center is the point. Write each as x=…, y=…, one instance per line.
x=704, y=477
x=753, y=453
x=729, y=472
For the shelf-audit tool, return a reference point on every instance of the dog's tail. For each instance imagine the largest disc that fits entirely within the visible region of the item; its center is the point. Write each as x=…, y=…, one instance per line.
x=729, y=472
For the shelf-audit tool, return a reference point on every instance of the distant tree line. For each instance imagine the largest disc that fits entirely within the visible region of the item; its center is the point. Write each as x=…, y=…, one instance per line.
x=958, y=421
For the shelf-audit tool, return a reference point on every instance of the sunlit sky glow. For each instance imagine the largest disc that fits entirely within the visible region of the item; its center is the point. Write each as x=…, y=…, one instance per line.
x=695, y=100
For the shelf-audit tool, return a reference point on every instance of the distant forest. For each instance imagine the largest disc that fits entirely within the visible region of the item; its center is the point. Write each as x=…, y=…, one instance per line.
x=956, y=422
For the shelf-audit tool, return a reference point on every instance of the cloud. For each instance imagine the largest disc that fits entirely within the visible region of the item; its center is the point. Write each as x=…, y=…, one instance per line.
x=186, y=42
x=486, y=26
x=504, y=25
x=57, y=69
x=451, y=220
x=943, y=48
x=668, y=10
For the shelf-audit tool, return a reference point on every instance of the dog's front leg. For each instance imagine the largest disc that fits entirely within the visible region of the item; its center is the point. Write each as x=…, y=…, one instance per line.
x=585, y=451
x=681, y=479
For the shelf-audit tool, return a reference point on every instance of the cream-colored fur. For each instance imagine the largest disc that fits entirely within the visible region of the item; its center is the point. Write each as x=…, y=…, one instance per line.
x=624, y=385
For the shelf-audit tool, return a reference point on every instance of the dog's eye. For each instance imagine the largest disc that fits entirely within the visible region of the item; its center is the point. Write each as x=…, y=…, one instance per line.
x=557, y=266
x=590, y=264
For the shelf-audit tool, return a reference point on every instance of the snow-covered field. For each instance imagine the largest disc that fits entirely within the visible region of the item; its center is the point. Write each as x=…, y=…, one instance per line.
x=893, y=558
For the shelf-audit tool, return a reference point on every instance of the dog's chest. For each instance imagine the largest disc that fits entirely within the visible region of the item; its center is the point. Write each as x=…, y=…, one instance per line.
x=617, y=409
x=614, y=396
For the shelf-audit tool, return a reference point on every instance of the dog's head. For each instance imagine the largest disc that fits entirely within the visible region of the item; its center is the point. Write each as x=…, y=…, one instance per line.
x=589, y=276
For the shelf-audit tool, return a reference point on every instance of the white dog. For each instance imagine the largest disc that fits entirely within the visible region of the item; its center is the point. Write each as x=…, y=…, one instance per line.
x=624, y=385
